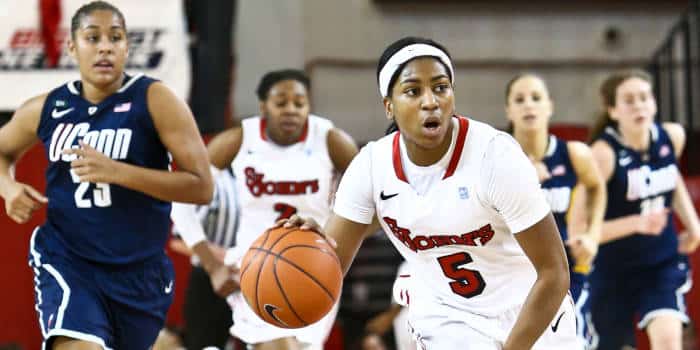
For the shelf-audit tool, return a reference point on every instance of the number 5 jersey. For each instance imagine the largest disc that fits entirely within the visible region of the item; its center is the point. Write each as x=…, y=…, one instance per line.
x=453, y=221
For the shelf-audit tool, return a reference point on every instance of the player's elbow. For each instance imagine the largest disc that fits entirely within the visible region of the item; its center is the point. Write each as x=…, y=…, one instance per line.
x=205, y=192
x=555, y=277
x=560, y=280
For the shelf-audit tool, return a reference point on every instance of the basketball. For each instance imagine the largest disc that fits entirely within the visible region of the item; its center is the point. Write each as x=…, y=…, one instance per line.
x=291, y=278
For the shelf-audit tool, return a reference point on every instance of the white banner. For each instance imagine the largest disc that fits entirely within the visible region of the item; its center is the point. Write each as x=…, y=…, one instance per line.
x=157, y=39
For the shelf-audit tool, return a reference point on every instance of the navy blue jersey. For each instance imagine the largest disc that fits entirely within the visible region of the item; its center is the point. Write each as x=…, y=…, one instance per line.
x=560, y=186
x=642, y=182
x=558, y=190
x=102, y=222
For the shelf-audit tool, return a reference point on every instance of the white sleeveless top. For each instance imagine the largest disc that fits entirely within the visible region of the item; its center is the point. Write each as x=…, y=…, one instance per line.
x=456, y=230
x=274, y=181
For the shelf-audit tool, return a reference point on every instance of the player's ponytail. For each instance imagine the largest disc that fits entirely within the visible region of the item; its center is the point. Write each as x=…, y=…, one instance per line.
x=608, y=92
x=391, y=128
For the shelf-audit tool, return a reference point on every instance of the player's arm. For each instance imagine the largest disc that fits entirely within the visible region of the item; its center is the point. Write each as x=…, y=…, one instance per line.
x=543, y=246
x=189, y=227
x=224, y=147
x=173, y=120
x=682, y=203
x=584, y=246
x=353, y=211
x=627, y=225
x=16, y=137
x=348, y=236
x=521, y=204
x=224, y=279
x=341, y=149
x=344, y=235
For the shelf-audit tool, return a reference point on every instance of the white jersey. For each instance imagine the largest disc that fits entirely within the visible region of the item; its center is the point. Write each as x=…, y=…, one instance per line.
x=457, y=232
x=274, y=182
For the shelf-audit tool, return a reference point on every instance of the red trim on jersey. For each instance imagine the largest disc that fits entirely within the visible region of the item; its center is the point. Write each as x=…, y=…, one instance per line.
x=457, y=153
x=396, y=157
x=454, y=160
x=263, y=127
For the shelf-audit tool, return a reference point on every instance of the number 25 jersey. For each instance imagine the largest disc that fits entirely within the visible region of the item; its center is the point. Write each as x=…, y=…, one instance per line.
x=101, y=222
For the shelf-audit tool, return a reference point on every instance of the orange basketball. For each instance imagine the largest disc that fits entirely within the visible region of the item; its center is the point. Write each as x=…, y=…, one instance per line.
x=291, y=278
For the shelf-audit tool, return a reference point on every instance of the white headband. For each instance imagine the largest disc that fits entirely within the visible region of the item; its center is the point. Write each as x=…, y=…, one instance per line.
x=406, y=54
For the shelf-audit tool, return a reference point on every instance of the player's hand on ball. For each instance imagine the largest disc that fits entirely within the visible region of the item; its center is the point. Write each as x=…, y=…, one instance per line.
x=225, y=280
x=92, y=165
x=21, y=201
x=305, y=224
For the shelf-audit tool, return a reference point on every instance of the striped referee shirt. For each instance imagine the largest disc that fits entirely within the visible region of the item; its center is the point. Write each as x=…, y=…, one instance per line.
x=219, y=218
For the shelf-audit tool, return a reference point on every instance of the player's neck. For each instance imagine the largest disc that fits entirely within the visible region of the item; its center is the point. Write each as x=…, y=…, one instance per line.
x=534, y=143
x=281, y=139
x=96, y=94
x=428, y=156
x=637, y=140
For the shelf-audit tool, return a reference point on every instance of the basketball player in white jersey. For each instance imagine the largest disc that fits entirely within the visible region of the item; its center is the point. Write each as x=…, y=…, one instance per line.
x=285, y=162
x=463, y=205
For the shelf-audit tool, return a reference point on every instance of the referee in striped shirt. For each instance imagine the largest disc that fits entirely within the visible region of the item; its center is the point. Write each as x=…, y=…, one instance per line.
x=207, y=315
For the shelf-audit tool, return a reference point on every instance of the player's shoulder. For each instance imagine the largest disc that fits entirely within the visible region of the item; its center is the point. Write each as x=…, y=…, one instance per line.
x=384, y=143
x=483, y=139
x=676, y=133
x=251, y=121
x=577, y=148
x=320, y=122
x=34, y=104
x=479, y=132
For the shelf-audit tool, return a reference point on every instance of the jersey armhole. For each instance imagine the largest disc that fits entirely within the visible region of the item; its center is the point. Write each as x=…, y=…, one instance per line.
x=44, y=113
x=614, y=157
x=149, y=123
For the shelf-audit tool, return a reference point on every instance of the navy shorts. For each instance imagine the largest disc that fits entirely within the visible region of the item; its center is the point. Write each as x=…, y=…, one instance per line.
x=580, y=294
x=650, y=292
x=115, y=306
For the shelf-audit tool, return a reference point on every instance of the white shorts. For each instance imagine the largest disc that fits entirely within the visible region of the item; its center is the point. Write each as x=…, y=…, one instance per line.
x=402, y=333
x=444, y=327
x=251, y=329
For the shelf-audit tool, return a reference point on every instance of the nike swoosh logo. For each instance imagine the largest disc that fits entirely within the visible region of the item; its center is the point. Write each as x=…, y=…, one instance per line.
x=555, y=326
x=168, y=288
x=385, y=197
x=270, y=309
x=55, y=114
x=625, y=161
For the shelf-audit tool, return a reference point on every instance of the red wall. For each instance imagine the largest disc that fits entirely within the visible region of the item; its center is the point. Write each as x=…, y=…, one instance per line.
x=18, y=320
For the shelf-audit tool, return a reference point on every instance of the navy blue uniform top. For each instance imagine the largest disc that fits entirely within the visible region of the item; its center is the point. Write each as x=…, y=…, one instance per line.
x=101, y=222
x=558, y=189
x=641, y=182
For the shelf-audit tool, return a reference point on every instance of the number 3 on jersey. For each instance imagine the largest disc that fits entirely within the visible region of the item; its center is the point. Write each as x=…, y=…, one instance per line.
x=285, y=210
x=101, y=195
x=467, y=283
